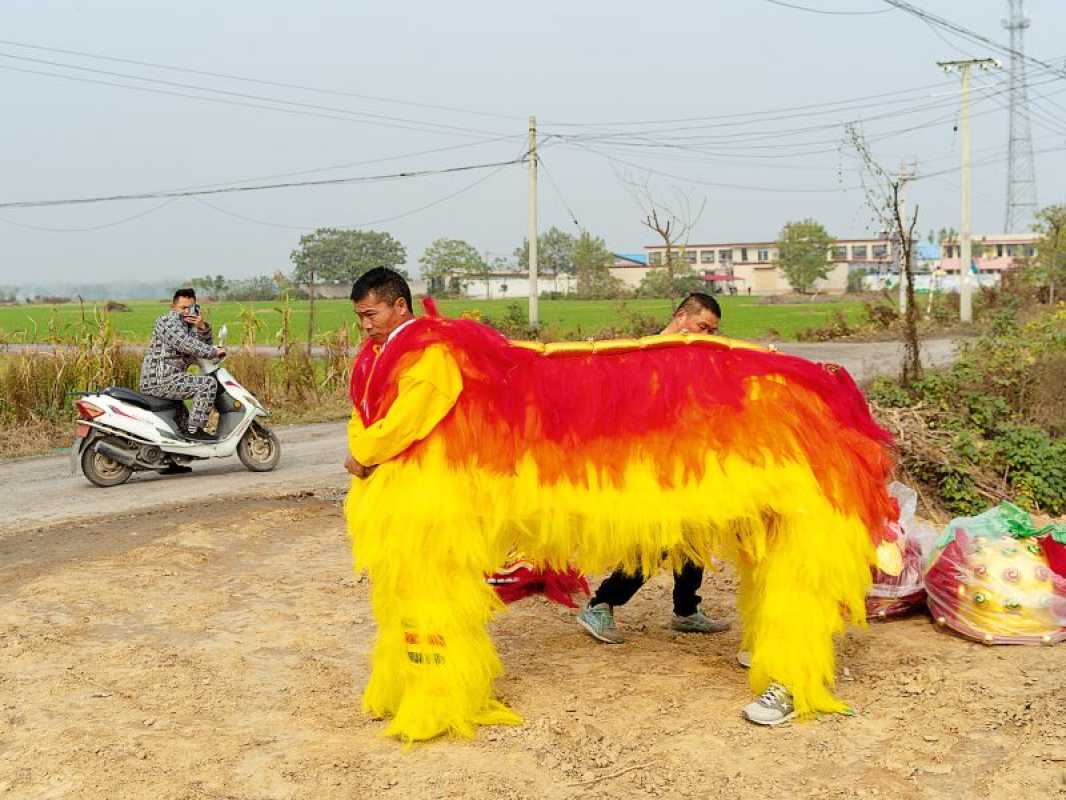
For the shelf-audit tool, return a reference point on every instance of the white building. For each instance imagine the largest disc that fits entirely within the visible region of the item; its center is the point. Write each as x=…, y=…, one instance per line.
x=504, y=284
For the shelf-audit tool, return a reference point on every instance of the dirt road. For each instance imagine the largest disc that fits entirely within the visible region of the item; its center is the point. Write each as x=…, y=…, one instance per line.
x=42, y=491
x=221, y=656
x=864, y=360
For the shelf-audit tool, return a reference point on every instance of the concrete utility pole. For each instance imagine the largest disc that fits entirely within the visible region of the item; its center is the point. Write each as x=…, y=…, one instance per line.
x=311, y=298
x=907, y=171
x=534, y=318
x=963, y=68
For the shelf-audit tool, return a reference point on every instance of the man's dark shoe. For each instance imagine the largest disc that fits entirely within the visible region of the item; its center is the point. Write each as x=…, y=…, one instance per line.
x=175, y=469
x=200, y=435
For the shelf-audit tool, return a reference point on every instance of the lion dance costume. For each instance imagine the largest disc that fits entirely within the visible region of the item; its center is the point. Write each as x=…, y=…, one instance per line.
x=595, y=455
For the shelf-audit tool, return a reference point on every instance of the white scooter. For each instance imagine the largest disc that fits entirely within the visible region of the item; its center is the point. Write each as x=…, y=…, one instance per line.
x=120, y=431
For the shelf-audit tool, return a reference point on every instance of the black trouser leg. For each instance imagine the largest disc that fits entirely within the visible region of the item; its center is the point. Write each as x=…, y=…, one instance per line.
x=618, y=589
x=686, y=584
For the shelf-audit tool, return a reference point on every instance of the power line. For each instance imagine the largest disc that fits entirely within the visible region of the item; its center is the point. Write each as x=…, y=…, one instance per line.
x=350, y=164
x=829, y=13
x=260, y=81
x=258, y=188
x=777, y=110
x=716, y=184
x=558, y=192
x=973, y=36
x=203, y=98
x=112, y=224
x=643, y=137
x=1045, y=119
x=690, y=143
x=378, y=221
x=365, y=117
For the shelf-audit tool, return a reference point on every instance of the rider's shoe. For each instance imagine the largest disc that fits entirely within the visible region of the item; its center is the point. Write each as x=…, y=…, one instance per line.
x=200, y=435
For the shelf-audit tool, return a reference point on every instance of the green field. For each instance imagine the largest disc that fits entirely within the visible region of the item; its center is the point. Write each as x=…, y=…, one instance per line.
x=742, y=317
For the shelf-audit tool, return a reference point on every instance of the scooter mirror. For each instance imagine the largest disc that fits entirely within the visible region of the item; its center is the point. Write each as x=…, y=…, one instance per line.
x=222, y=336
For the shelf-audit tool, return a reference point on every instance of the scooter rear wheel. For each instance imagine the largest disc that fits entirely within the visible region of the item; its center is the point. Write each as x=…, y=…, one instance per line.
x=102, y=470
x=259, y=449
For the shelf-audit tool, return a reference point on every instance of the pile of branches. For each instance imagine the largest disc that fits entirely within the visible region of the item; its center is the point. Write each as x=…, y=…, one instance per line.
x=924, y=451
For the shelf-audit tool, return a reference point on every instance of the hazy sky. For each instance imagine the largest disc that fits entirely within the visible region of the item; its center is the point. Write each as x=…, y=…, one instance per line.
x=734, y=66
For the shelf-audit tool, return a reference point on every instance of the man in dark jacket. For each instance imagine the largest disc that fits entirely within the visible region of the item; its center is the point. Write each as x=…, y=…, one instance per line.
x=179, y=338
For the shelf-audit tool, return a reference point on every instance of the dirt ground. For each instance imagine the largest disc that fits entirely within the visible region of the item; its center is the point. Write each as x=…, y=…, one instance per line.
x=223, y=656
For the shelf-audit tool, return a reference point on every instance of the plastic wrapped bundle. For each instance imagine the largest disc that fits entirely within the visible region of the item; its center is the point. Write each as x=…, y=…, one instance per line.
x=998, y=579
x=904, y=589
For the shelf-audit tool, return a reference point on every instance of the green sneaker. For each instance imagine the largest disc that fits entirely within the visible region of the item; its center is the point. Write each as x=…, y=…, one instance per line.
x=699, y=623
x=598, y=620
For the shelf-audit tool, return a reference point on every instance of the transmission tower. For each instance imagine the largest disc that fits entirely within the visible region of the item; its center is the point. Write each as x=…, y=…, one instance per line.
x=1021, y=174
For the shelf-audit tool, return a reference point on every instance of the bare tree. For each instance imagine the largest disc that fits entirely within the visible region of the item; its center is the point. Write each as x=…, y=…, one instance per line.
x=672, y=221
x=883, y=195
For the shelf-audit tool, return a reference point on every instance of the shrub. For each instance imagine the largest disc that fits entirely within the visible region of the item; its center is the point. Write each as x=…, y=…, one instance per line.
x=835, y=328
x=989, y=427
x=880, y=315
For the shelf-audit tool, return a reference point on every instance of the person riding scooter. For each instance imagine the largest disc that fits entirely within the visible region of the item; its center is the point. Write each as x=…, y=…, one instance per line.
x=179, y=338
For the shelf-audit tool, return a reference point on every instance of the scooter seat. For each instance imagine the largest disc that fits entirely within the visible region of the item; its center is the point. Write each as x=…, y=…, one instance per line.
x=145, y=401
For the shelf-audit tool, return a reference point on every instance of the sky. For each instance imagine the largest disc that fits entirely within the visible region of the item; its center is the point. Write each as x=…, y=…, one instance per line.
x=402, y=87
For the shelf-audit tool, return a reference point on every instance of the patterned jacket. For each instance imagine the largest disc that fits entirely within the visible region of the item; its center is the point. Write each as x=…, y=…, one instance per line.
x=173, y=348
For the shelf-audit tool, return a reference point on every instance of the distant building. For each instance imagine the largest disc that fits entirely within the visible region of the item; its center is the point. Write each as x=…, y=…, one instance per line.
x=752, y=268
x=937, y=265
x=630, y=269
x=342, y=290
x=992, y=254
x=501, y=284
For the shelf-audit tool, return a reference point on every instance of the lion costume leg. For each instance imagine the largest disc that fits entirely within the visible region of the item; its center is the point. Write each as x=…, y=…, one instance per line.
x=433, y=663
x=792, y=602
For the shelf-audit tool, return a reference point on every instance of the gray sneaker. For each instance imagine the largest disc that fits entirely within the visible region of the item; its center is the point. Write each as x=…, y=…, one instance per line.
x=772, y=708
x=699, y=623
x=598, y=620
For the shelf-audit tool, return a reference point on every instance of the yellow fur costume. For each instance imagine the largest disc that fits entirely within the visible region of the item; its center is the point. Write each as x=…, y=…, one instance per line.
x=598, y=455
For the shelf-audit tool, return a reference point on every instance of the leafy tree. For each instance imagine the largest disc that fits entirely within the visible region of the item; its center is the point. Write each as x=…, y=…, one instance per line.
x=801, y=249
x=1048, y=267
x=336, y=254
x=674, y=282
x=451, y=263
x=555, y=252
x=261, y=287
x=592, y=263
x=211, y=285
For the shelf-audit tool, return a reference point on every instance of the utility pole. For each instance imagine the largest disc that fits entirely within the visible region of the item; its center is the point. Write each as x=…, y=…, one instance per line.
x=963, y=68
x=534, y=320
x=311, y=299
x=907, y=172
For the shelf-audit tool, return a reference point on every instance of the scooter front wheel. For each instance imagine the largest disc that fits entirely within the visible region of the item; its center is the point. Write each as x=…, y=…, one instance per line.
x=102, y=470
x=259, y=449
